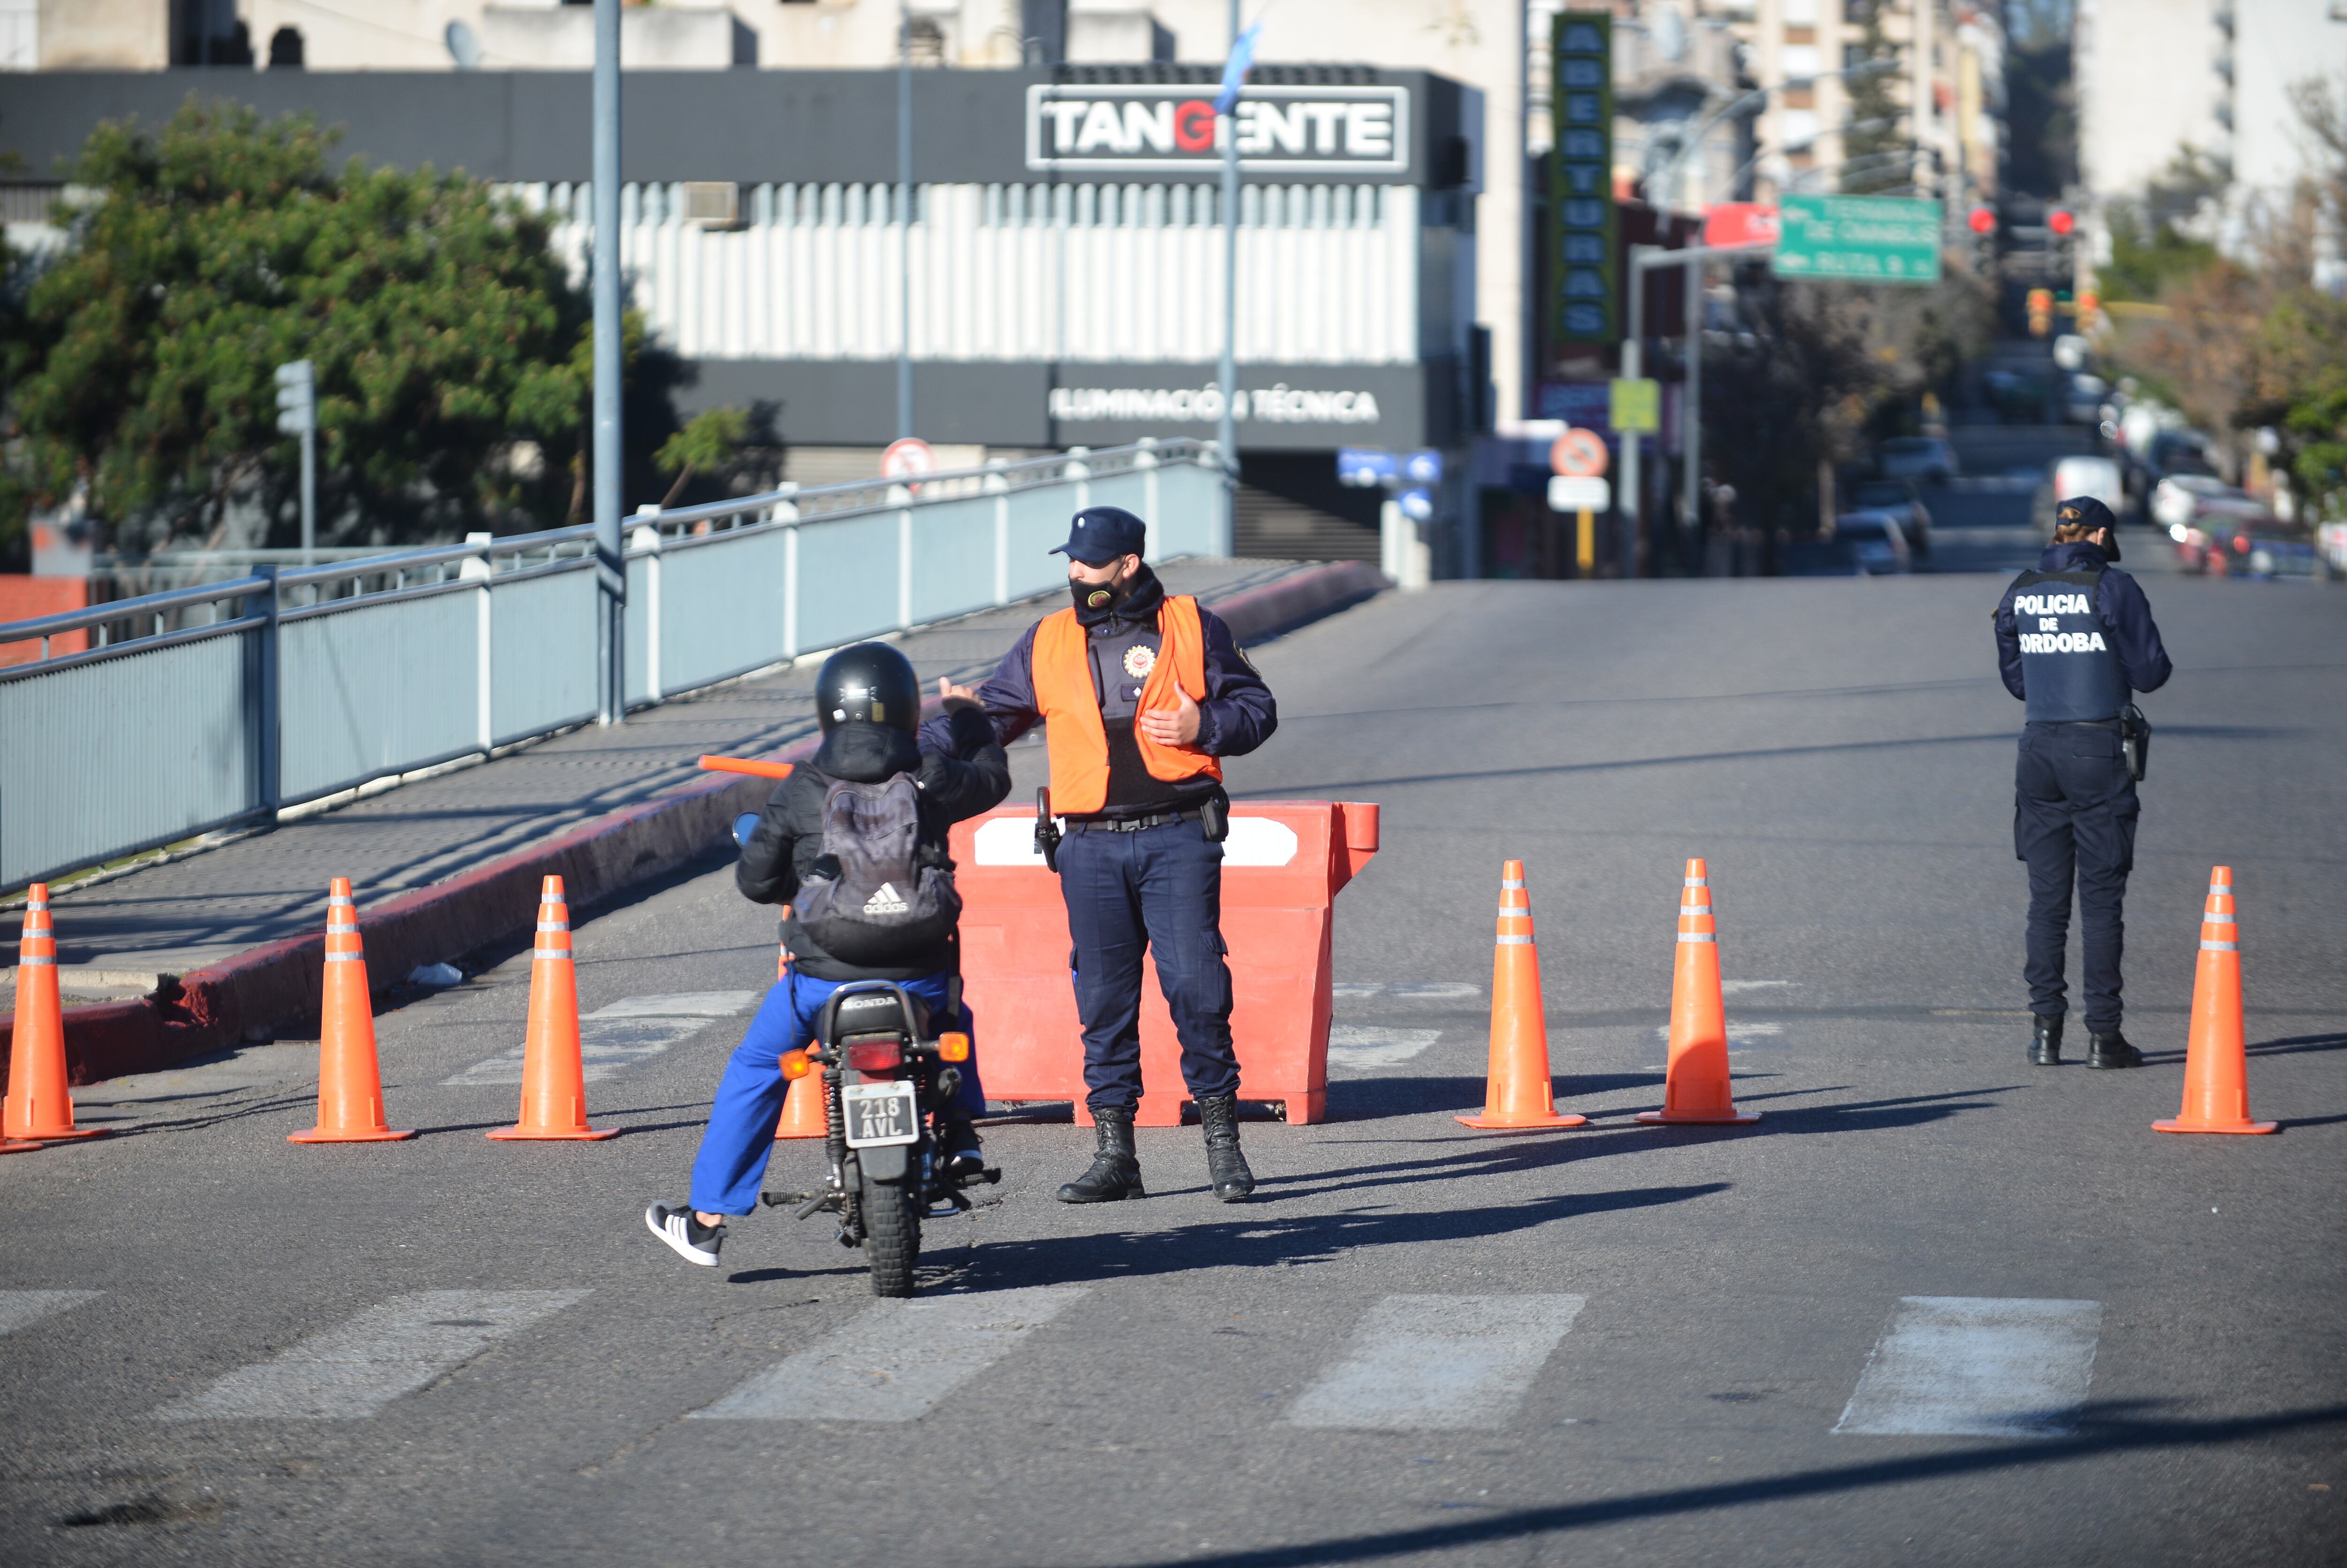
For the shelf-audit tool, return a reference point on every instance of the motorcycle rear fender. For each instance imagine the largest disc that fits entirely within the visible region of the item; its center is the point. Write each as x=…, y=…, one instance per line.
x=886, y=1162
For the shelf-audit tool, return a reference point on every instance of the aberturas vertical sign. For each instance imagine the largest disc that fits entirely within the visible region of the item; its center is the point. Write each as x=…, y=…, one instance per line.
x=1584, y=276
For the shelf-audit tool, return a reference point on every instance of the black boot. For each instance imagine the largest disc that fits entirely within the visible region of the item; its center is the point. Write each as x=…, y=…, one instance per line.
x=1116, y=1171
x=2111, y=1050
x=1227, y=1167
x=2045, y=1045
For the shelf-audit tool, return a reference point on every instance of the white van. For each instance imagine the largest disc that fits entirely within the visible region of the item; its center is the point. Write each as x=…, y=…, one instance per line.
x=2096, y=476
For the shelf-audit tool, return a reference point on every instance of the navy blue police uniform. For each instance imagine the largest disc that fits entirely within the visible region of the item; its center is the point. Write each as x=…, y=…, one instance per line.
x=2075, y=640
x=1142, y=871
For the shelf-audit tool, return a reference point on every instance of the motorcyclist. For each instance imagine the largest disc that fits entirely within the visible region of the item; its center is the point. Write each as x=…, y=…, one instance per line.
x=868, y=701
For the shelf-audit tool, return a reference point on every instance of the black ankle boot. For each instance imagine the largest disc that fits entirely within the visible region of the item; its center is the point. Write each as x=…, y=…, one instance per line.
x=1227, y=1167
x=2045, y=1045
x=1115, y=1173
x=2111, y=1050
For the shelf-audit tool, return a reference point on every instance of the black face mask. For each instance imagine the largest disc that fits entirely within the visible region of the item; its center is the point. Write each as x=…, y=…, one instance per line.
x=1093, y=599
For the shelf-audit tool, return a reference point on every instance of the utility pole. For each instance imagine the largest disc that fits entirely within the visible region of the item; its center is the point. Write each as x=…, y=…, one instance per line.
x=905, y=229
x=297, y=415
x=1226, y=124
x=1691, y=411
x=1633, y=347
x=611, y=691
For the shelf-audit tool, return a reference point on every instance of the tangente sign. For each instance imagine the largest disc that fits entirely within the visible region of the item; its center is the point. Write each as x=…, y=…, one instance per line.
x=1072, y=127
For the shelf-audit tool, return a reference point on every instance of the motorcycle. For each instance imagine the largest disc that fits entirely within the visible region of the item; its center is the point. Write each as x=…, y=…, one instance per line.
x=885, y=1088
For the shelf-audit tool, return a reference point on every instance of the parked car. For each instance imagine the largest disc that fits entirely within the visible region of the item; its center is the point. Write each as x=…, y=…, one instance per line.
x=2081, y=476
x=1872, y=543
x=2175, y=498
x=2263, y=545
x=2174, y=452
x=2082, y=398
x=2215, y=519
x=1902, y=500
x=1918, y=458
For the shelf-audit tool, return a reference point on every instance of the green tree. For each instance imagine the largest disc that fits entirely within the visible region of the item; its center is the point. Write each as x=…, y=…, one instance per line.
x=444, y=333
x=1876, y=151
x=708, y=443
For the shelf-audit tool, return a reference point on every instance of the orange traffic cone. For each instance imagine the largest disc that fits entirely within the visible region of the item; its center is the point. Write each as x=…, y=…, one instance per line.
x=553, y=1077
x=350, y=1080
x=804, y=1113
x=1695, y=1086
x=2216, y=1056
x=39, y=1106
x=1516, y=1094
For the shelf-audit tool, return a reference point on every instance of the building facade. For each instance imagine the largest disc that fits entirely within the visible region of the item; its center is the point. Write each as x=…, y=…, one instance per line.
x=1061, y=252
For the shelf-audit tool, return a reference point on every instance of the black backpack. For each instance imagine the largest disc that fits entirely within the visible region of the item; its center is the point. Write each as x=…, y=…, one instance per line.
x=880, y=893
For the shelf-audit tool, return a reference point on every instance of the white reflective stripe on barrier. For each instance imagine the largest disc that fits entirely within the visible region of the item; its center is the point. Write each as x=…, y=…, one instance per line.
x=1506, y=882
x=1515, y=941
x=554, y=925
x=1698, y=881
x=37, y=905
x=1253, y=841
x=2220, y=947
x=2220, y=919
x=345, y=958
x=340, y=928
x=1697, y=937
x=36, y=960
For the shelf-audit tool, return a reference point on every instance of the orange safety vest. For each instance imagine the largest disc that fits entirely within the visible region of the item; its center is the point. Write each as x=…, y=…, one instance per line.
x=1070, y=705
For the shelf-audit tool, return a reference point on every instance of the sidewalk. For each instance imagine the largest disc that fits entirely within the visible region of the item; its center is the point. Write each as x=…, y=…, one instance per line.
x=446, y=864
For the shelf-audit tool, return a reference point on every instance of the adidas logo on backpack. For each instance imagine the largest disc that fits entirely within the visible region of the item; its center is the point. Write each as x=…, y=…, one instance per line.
x=884, y=900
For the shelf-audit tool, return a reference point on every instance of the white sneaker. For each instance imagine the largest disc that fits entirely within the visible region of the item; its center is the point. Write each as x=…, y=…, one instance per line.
x=686, y=1236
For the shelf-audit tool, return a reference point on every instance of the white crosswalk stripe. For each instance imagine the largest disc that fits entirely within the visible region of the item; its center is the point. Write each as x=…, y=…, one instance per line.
x=615, y=1038
x=1438, y=1361
x=351, y=1371
x=1968, y=1366
x=896, y=1359
x=1362, y=1047
x=23, y=1309
x=1404, y=990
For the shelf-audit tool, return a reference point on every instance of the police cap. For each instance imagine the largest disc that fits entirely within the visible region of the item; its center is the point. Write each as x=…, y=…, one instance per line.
x=1098, y=535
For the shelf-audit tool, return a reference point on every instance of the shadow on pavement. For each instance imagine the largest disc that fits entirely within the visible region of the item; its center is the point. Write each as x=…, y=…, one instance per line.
x=1269, y=1241
x=1875, y=1115
x=2108, y=1427
x=1372, y=1099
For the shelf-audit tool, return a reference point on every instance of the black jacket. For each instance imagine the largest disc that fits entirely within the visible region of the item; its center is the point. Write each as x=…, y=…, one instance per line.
x=2119, y=601
x=973, y=778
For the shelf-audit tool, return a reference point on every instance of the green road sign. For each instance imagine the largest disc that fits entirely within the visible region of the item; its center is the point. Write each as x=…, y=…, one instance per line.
x=1635, y=406
x=1858, y=239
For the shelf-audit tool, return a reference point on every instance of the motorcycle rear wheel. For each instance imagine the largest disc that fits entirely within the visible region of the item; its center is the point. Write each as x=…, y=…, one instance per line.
x=892, y=1235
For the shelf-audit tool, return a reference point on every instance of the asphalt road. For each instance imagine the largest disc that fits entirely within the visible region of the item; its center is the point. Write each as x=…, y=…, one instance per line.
x=1419, y=1344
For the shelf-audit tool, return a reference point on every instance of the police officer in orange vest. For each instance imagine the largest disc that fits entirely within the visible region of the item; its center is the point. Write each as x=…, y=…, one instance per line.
x=1142, y=693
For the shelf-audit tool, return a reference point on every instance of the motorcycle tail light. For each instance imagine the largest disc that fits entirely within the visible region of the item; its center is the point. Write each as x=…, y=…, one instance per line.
x=953, y=1047
x=795, y=1064
x=874, y=1055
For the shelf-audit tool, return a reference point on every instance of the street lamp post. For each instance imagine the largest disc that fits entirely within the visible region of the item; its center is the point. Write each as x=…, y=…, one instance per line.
x=904, y=227
x=1227, y=437
x=612, y=700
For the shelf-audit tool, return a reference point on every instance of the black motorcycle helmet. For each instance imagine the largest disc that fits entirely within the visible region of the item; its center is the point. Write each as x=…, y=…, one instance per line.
x=871, y=684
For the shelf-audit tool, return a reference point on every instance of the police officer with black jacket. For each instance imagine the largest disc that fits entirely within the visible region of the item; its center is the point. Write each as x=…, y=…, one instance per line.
x=1142, y=693
x=2074, y=640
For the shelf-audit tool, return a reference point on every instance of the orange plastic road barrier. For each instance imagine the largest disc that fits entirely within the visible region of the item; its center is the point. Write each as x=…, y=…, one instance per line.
x=350, y=1078
x=1517, y=1094
x=1695, y=1086
x=1282, y=867
x=39, y=1106
x=746, y=765
x=553, y=1077
x=2216, y=1056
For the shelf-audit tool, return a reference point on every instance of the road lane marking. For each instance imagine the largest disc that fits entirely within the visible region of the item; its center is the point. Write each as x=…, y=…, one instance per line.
x=896, y=1359
x=1404, y=990
x=23, y=1309
x=1438, y=1361
x=1970, y=1365
x=350, y=1372
x=1740, y=1036
x=616, y=1038
x=1364, y=1047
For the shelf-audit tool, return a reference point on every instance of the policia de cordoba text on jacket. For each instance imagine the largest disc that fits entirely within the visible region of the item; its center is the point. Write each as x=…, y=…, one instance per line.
x=2075, y=640
x=1138, y=868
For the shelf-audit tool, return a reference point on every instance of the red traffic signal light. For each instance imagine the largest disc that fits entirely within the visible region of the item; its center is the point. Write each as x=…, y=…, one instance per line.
x=2060, y=222
x=1983, y=219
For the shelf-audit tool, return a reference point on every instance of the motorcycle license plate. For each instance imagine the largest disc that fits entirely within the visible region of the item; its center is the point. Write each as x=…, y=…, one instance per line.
x=880, y=1115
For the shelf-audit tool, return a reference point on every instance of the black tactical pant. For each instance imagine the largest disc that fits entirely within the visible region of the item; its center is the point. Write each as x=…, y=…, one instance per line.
x=2074, y=822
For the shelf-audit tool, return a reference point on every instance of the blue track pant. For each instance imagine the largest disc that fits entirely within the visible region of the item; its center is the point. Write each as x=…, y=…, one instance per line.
x=731, y=1163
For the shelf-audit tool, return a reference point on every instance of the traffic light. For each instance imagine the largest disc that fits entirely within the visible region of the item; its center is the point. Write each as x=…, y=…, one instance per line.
x=297, y=398
x=2090, y=304
x=2064, y=228
x=1983, y=223
x=2041, y=312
